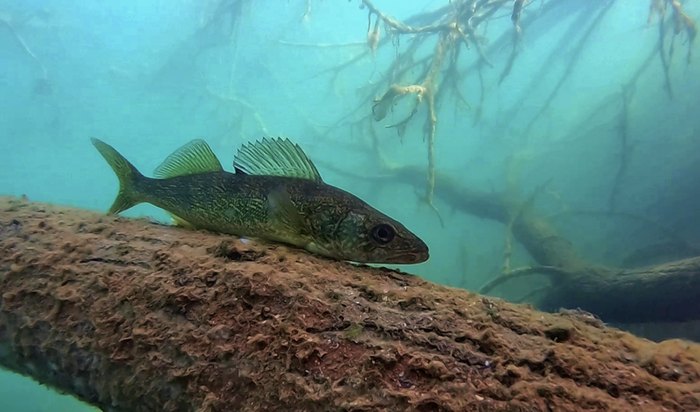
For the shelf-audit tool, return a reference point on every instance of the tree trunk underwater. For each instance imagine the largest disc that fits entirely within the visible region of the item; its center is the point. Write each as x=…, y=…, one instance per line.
x=129, y=315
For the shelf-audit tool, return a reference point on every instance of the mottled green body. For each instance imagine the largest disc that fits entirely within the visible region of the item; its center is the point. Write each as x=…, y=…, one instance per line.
x=238, y=204
x=299, y=211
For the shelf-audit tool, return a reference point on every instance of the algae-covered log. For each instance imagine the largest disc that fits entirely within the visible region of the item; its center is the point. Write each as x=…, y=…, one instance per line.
x=134, y=316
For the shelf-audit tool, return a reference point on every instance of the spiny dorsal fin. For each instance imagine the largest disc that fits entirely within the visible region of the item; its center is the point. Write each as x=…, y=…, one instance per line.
x=275, y=157
x=193, y=158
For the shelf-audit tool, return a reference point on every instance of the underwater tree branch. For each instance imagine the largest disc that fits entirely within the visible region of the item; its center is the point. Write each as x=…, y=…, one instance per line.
x=451, y=28
x=456, y=25
x=399, y=26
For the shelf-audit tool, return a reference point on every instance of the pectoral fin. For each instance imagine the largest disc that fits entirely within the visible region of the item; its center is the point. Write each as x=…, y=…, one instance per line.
x=178, y=221
x=284, y=215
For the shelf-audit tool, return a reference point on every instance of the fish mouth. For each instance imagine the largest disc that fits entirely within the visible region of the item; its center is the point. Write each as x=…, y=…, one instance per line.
x=410, y=257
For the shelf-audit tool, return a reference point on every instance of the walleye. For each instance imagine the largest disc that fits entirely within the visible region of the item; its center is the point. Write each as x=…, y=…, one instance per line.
x=276, y=193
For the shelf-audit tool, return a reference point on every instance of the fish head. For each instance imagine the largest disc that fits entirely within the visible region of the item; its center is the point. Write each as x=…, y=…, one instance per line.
x=363, y=234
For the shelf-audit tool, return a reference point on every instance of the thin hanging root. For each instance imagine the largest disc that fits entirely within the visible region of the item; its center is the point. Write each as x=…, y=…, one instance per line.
x=656, y=7
x=372, y=34
x=432, y=127
x=307, y=11
x=623, y=130
x=515, y=16
x=399, y=26
x=425, y=92
x=480, y=107
x=508, y=248
x=509, y=64
x=659, y=7
x=517, y=35
x=431, y=86
x=468, y=33
x=665, y=65
x=681, y=23
x=25, y=48
x=383, y=104
x=514, y=218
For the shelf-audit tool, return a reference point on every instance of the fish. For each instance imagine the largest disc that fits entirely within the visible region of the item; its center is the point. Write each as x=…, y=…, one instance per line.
x=275, y=193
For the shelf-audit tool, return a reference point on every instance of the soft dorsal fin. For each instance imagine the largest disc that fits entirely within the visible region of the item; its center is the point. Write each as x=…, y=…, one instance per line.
x=193, y=158
x=275, y=157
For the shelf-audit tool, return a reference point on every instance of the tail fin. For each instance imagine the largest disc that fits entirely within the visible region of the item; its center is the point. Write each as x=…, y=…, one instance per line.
x=126, y=173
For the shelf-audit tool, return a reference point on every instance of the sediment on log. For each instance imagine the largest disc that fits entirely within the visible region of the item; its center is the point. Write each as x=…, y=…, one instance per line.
x=133, y=316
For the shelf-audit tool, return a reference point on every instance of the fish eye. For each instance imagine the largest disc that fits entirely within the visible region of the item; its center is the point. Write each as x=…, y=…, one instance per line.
x=383, y=233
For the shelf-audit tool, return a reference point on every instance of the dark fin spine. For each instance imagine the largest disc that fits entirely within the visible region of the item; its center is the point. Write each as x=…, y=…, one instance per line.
x=127, y=174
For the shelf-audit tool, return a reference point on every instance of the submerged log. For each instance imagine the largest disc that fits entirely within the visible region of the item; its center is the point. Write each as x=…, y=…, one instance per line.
x=662, y=293
x=129, y=315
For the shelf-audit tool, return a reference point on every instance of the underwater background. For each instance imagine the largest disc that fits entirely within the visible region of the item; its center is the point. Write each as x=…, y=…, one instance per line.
x=593, y=125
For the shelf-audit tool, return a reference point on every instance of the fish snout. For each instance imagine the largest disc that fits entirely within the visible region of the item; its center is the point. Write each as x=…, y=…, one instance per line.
x=418, y=253
x=421, y=253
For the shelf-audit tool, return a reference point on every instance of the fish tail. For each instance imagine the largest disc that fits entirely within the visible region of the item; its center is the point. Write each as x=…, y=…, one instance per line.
x=127, y=174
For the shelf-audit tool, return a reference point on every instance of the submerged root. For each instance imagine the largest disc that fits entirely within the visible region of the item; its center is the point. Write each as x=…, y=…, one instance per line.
x=382, y=105
x=682, y=23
